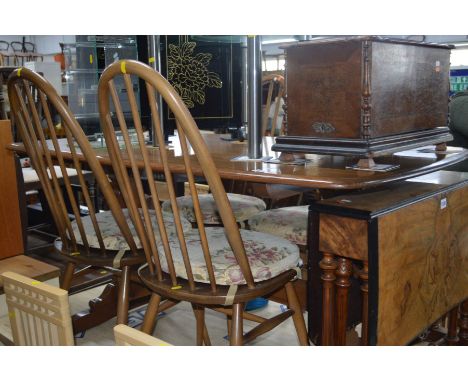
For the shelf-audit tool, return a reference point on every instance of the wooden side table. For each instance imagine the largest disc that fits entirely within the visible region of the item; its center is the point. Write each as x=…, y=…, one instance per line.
x=411, y=241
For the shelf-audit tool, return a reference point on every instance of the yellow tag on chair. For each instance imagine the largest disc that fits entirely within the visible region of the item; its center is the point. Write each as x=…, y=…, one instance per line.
x=18, y=73
x=176, y=287
x=151, y=60
x=35, y=283
x=122, y=67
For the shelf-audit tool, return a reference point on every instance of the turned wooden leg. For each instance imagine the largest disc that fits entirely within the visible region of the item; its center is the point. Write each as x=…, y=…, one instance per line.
x=463, y=324
x=123, y=298
x=364, y=276
x=237, y=333
x=328, y=267
x=451, y=336
x=342, y=283
x=67, y=276
x=149, y=321
x=298, y=318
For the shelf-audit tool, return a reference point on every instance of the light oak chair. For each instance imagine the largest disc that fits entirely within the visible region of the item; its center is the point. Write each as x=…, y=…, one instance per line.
x=100, y=239
x=39, y=313
x=127, y=336
x=216, y=267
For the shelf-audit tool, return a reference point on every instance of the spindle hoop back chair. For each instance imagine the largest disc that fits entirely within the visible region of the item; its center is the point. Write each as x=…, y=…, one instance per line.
x=168, y=283
x=33, y=101
x=272, y=81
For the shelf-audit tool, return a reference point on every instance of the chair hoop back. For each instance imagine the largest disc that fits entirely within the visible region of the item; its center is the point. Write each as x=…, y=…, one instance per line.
x=37, y=111
x=123, y=73
x=275, y=83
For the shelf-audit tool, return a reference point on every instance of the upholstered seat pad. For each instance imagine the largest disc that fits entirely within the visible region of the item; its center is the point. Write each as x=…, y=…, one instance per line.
x=268, y=256
x=243, y=207
x=110, y=231
x=289, y=223
x=30, y=175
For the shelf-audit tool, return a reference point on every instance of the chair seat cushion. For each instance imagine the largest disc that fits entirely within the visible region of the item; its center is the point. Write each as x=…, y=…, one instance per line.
x=243, y=207
x=289, y=223
x=30, y=175
x=110, y=231
x=268, y=256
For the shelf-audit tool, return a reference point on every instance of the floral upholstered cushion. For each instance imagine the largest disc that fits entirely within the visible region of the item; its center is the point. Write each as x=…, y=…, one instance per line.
x=289, y=223
x=243, y=207
x=268, y=256
x=110, y=231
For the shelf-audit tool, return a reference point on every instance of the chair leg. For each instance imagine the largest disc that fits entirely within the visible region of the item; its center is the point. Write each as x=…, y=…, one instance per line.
x=149, y=322
x=237, y=334
x=206, y=337
x=67, y=276
x=297, y=317
x=199, y=313
x=122, y=302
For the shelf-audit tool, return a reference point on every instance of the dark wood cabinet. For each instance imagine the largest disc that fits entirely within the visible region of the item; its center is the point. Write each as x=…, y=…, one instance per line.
x=366, y=96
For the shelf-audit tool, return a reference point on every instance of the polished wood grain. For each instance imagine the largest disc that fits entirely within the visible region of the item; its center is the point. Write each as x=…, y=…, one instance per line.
x=422, y=265
x=344, y=236
x=11, y=237
x=323, y=171
x=419, y=240
x=327, y=81
x=349, y=92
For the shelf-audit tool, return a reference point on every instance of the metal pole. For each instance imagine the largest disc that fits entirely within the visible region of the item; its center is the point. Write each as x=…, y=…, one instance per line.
x=245, y=94
x=154, y=58
x=254, y=65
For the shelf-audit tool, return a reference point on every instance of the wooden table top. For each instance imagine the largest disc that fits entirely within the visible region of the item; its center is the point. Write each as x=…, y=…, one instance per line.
x=322, y=171
x=381, y=200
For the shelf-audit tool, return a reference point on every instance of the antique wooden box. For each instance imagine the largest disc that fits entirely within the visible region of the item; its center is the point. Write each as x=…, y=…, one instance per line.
x=366, y=96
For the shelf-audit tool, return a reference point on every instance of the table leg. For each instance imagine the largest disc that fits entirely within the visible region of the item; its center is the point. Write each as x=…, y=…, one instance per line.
x=463, y=324
x=328, y=266
x=342, y=283
x=364, y=276
x=451, y=336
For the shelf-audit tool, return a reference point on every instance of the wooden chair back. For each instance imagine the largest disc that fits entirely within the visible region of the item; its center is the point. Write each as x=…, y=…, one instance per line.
x=127, y=336
x=26, y=47
x=4, y=45
x=137, y=156
x=33, y=102
x=275, y=84
x=39, y=313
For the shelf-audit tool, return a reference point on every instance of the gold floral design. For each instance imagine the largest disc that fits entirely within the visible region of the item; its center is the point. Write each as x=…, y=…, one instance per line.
x=189, y=73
